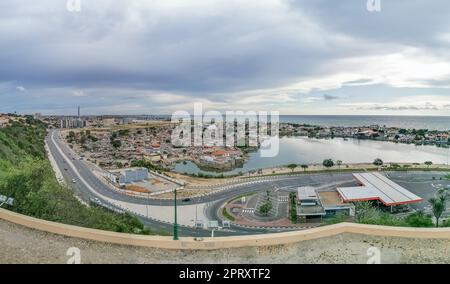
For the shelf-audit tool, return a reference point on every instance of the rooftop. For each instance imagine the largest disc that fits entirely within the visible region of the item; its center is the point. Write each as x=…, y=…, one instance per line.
x=307, y=193
x=330, y=198
x=376, y=186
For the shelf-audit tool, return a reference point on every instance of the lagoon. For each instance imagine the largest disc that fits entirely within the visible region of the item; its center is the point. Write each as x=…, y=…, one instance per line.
x=303, y=150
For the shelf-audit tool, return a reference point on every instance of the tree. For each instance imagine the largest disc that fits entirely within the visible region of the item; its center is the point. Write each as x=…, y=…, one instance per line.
x=292, y=167
x=113, y=136
x=439, y=205
x=304, y=167
x=428, y=163
x=328, y=163
x=265, y=208
x=364, y=211
x=116, y=143
x=378, y=162
x=419, y=219
x=339, y=163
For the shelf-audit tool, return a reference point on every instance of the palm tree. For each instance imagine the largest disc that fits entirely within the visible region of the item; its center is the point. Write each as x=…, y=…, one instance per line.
x=439, y=205
x=339, y=163
x=428, y=163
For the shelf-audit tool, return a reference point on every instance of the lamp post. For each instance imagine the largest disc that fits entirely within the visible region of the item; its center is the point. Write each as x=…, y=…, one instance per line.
x=175, y=224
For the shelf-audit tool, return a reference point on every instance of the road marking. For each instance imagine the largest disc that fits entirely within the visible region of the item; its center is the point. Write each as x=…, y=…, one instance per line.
x=283, y=199
x=69, y=162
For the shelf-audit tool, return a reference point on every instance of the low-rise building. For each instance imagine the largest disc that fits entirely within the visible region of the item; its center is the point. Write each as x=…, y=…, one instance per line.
x=313, y=204
x=129, y=175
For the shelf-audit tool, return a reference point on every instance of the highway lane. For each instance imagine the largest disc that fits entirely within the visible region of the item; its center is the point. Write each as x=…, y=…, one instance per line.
x=89, y=186
x=85, y=192
x=282, y=181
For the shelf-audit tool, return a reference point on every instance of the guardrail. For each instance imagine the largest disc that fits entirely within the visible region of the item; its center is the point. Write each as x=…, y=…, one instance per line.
x=221, y=242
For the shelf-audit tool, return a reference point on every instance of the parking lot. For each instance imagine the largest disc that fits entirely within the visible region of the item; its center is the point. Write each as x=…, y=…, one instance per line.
x=423, y=184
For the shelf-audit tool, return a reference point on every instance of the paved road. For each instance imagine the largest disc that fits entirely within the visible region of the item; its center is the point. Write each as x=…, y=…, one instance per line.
x=88, y=186
x=79, y=171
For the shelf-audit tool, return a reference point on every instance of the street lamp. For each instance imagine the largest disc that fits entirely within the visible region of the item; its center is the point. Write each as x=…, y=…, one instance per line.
x=175, y=224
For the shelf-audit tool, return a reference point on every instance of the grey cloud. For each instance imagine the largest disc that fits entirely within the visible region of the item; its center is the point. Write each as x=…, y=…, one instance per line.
x=330, y=97
x=129, y=50
x=403, y=108
x=410, y=22
x=357, y=82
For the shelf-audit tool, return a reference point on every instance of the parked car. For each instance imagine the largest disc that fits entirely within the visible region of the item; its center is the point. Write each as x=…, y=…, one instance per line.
x=186, y=199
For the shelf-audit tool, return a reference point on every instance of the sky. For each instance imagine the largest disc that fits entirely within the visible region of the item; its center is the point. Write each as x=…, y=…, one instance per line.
x=160, y=56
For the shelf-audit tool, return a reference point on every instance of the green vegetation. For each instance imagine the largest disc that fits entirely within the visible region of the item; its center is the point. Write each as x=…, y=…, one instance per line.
x=116, y=143
x=328, y=163
x=428, y=163
x=227, y=215
x=304, y=167
x=265, y=208
x=378, y=162
x=336, y=219
x=71, y=137
x=147, y=164
x=292, y=167
x=123, y=132
x=26, y=176
x=439, y=205
x=267, y=205
x=419, y=219
x=211, y=176
x=293, y=207
x=366, y=213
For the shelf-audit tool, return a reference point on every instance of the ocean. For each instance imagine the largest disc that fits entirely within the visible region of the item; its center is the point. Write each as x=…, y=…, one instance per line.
x=417, y=122
x=410, y=122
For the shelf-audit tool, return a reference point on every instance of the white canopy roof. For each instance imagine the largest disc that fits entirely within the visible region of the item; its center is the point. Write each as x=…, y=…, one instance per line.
x=377, y=187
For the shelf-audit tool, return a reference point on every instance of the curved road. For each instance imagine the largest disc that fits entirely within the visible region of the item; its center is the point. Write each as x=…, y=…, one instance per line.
x=89, y=186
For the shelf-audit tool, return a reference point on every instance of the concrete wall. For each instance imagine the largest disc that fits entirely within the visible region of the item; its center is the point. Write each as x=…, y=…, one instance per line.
x=221, y=242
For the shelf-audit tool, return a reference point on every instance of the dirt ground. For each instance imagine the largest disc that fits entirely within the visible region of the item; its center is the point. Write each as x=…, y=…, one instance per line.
x=22, y=245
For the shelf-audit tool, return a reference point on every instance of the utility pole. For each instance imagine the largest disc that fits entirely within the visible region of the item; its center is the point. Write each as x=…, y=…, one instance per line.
x=175, y=224
x=148, y=199
x=195, y=213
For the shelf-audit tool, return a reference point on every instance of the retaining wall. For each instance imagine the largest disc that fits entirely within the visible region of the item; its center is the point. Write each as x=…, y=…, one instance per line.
x=221, y=242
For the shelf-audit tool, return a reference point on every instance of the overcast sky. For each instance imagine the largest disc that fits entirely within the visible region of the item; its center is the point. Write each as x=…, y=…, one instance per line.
x=158, y=56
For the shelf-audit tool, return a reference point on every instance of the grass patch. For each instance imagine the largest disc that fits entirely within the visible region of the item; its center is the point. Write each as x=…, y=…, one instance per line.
x=227, y=215
x=27, y=176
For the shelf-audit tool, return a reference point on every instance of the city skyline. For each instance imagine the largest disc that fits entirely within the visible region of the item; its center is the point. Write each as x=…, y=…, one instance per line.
x=295, y=57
